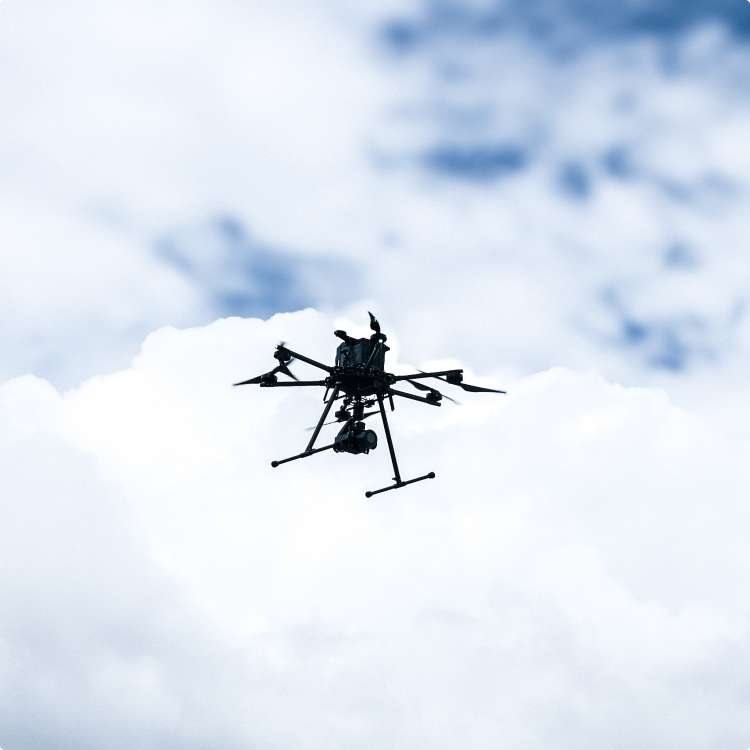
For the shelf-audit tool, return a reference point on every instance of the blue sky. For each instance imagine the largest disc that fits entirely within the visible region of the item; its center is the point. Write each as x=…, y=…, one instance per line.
x=240, y=186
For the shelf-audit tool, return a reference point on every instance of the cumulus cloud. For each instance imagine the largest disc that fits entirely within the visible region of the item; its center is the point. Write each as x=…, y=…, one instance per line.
x=574, y=576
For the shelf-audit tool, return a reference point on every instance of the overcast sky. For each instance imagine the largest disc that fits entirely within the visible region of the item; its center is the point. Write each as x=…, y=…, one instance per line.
x=552, y=195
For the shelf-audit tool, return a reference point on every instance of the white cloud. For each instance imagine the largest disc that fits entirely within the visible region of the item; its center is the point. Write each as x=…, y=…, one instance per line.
x=76, y=295
x=128, y=125
x=125, y=125
x=525, y=252
x=575, y=575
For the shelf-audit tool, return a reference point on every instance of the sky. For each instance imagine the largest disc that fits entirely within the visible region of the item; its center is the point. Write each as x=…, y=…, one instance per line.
x=548, y=194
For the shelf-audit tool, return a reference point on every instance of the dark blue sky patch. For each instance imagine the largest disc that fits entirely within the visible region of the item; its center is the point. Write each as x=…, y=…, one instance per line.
x=663, y=343
x=633, y=332
x=400, y=36
x=668, y=16
x=575, y=180
x=669, y=352
x=562, y=24
x=617, y=162
x=441, y=20
x=476, y=163
x=263, y=282
x=242, y=276
x=681, y=257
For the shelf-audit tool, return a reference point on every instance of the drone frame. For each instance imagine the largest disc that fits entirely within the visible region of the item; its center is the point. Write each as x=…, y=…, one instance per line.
x=386, y=391
x=362, y=383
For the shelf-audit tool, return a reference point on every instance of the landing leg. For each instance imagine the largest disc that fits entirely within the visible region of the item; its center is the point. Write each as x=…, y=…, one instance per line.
x=322, y=419
x=310, y=450
x=300, y=455
x=397, y=476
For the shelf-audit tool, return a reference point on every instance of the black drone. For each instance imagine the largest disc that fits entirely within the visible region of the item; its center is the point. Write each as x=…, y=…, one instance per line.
x=359, y=378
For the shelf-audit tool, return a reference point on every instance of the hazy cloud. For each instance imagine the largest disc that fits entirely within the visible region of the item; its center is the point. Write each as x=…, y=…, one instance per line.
x=574, y=575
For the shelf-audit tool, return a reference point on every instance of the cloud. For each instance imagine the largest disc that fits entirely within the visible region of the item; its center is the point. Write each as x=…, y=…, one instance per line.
x=514, y=198
x=76, y=295
x=540, y=177
x=575, y=574
x=615, y=174
x=146, y=123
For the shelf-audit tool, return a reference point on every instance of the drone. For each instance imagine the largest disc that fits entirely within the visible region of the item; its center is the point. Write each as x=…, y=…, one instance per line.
x=359, y=380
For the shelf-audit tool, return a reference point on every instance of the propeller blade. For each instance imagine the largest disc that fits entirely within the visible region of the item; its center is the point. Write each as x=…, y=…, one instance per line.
x=341, y=421
x=458, y=403
x=374, y=325
x=325, y=424
x=281, y=367
x=467, y=386
x=252, y=381
x=423, y=387
x=287, y=371
x=419, y=386
x=478, y=388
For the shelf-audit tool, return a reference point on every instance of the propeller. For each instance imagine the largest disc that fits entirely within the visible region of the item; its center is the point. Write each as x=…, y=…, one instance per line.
x=334, y=421
x=374, y=325
x=283, y=368
x=284, y=359
x=253, y=381
x=421, y=387
x=466, y=386
x=478, y=388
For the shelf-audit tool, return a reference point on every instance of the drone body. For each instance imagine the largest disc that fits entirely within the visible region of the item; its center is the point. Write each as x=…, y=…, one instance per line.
x=359, y=379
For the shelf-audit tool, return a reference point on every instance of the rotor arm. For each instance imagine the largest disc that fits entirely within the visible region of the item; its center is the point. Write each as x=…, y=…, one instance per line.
x=404, y=394
x=452, y=377
x=427, y=375
x=314, y=363
x=288, y=384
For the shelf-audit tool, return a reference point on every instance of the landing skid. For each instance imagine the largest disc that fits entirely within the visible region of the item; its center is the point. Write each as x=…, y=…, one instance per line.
x=399, y=485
